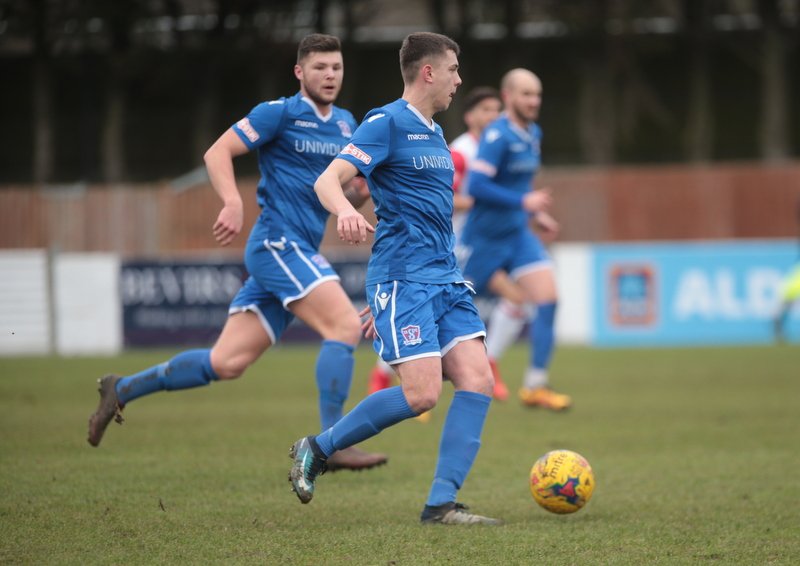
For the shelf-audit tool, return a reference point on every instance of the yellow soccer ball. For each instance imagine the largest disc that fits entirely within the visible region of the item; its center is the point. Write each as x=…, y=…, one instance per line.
x=562, y=481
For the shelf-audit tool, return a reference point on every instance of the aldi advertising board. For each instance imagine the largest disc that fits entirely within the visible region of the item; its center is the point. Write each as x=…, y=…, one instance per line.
x=689, y=293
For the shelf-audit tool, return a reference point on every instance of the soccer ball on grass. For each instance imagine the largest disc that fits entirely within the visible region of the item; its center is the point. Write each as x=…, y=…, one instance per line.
x=562, y=481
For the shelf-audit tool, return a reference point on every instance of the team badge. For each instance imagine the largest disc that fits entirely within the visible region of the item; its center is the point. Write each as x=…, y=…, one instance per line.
x=411, y=335
x=345, y=128
x=320, y=260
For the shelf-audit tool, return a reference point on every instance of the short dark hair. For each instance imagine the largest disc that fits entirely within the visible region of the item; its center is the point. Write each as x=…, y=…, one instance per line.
x=317, y=43
x=478, y=95
x=417, y=46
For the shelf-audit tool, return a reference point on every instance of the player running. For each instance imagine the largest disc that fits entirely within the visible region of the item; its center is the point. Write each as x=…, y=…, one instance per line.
x=482, y=105
x=497, y=234
x=425, y=324
x=789, y=295
x=295, y=139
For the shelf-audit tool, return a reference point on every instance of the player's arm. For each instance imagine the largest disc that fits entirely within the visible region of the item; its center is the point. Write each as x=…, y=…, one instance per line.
x=350, y=224
x=461, y=201
x=483, y=187
x=219, y=163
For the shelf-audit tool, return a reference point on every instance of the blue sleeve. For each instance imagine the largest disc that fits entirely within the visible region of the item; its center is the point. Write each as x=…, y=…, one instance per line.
x=262, y=124
x=491, y=153
x=481, y=187
x=370, y=144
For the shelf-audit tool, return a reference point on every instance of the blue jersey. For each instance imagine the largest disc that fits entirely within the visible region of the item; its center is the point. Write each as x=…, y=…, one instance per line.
x=295, y=145
x=409, y=171
x=508, y=156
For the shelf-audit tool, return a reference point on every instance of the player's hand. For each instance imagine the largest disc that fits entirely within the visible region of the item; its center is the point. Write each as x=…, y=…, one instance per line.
x=368, y=324
x=548, y=226
x=537, y=201
x=229, y=223
x=353, y=227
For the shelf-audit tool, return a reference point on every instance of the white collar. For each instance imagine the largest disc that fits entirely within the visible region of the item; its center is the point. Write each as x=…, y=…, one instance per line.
x=430, y=125
x=523, y=133
x=316, y=110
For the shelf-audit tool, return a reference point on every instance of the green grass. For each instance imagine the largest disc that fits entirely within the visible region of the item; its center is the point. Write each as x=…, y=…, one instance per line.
x=696, y=454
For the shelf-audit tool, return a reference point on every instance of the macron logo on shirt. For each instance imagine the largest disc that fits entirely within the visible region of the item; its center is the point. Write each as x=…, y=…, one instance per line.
x=247, y=130
x=350, y=149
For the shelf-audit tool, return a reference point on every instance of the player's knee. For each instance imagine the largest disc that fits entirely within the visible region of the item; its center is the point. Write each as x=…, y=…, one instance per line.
x=478, y=382
x=422, y=401
x=422, y=397
x=347, y=329
x=230, y=367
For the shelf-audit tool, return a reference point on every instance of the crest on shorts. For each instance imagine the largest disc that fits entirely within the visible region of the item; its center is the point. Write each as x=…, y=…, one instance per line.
x=320, y=260
x=411, y=335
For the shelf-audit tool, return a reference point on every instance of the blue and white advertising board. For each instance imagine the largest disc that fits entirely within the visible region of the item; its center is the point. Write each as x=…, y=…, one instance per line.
x=689, y=293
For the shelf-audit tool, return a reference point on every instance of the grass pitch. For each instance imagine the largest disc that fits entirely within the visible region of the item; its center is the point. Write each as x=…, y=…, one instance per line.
x=696, y=454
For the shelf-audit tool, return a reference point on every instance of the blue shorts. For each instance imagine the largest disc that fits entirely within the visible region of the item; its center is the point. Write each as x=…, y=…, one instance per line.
x=516, y=256
x=281, y=271
x=420, y=320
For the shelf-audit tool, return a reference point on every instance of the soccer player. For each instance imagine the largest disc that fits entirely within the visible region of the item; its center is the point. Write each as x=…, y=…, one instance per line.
x=482, y=105
x=423, y=321
x=295, y=139
x=497, y=232
x=790, y=294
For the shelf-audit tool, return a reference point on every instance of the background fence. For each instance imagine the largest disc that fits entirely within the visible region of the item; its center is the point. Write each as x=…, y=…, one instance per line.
x=678, y=202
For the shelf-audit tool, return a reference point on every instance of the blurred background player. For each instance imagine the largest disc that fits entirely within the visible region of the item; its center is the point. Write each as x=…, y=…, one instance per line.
x=425, y=324
x=790, y=294
x=295, y=138
x=482, y=105
x=497, y=235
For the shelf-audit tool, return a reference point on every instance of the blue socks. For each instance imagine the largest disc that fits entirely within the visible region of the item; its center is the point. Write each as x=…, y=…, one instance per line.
x=188, y=369
x=374, y=413
x=542, y=335
x=334, y=374
x=461, y=438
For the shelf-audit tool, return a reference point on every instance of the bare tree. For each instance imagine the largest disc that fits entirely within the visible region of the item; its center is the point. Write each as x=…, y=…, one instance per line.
x=42, y=96
x=774, y=135
x=699, y=121
x=596, y=107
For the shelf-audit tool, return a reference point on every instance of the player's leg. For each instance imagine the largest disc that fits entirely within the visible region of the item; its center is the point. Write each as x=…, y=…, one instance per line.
x=242, y=341
x=484, y=266
x=790, y=293
x=380, y=377
x=328, y=310
x=406, y=337
x=465, y=364
x=505, y=323
x=539, y=285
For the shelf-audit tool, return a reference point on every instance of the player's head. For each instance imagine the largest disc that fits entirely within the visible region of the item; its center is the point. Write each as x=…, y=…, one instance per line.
x=522, y=94
x=431, y=59
x=481, y=107
x=320, y=68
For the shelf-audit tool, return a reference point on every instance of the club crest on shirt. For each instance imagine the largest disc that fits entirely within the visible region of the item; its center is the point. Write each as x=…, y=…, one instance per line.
x=411, y=335
x=344, y=127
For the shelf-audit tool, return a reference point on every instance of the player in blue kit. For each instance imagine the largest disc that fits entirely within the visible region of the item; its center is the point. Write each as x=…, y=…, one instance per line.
x=497, y=234
x=295, y=139
x=423, y=320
